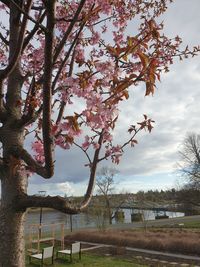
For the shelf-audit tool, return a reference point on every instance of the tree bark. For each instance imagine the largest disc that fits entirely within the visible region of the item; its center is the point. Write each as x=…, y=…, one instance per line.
x=12, y=252
x=12, y=239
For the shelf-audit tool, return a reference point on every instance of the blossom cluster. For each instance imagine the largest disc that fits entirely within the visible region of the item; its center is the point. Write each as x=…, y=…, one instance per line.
x=96, y=61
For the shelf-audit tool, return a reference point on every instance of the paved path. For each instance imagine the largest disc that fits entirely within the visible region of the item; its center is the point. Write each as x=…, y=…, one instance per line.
x=146, y=251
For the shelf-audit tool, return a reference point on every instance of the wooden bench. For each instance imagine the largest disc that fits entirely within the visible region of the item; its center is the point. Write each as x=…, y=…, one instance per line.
x=75, y=248
x=46, y=253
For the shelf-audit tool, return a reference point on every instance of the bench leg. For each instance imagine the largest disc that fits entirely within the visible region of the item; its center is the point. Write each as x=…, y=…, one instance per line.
x=71, y=257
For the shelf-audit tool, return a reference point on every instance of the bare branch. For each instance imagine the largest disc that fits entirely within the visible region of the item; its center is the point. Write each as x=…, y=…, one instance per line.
x=37, y=8
x=102, y=20
x=190, y=157
x=132, y=138
x=14, y=60
x=84, y=151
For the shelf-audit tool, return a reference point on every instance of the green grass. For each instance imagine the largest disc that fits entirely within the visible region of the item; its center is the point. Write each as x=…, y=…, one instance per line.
x=185, y=225
x=194, y=224
x=89, y=260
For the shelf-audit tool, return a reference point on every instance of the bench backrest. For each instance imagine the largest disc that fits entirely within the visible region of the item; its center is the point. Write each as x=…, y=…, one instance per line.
x=76, y=247
x=47, y=252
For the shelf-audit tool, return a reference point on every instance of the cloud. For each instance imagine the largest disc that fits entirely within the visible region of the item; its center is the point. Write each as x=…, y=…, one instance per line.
x=65, y=188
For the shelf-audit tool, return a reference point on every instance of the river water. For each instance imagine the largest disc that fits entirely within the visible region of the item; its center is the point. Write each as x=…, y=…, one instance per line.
x=85, y=220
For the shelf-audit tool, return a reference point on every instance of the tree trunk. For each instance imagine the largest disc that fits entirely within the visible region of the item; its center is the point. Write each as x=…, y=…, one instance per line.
x=13, y=185
x=12, y=224
x=109, y=209
x=13, y=179
x=12, y=239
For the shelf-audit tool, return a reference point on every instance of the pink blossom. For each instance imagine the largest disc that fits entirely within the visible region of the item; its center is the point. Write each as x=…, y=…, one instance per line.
x=95, y=38
x=107, y=137
x=40, y=158
x=86, y=143
x=116, y=154
x=106, y=7
x=80, y=54
x=118, y=38
x=61, y=142
x=54, y=129
x=37, y=147
x=108, y=152
x=116, y=149
x=95, y=145
x=116, y=158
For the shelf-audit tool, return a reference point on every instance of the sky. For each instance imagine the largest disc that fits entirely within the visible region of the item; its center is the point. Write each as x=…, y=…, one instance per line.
x=175, y=109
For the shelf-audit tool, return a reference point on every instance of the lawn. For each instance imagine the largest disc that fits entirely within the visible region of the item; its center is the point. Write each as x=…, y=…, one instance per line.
x=91, y=261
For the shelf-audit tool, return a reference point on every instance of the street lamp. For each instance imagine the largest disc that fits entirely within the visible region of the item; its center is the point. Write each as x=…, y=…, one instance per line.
x=41, y=193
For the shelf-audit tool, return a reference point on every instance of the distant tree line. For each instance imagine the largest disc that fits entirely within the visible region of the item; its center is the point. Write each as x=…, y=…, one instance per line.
x=156, y=195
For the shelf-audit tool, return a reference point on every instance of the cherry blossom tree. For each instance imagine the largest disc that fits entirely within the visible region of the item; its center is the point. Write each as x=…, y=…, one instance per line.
x=65, y=67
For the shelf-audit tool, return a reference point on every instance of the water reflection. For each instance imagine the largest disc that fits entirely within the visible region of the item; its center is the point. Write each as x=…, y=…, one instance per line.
x=84, y=220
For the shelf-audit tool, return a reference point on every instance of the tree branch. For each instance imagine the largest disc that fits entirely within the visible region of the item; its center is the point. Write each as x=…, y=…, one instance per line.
x=6, y=2
x=47, y=93
x=66, y=57
x=85, y=152
x=21, y=153
x=6, y=42
x=66, y=35
x=63, y=104
x=93, y=168
x=30, y=114
x=3, y=113
x=28, y=118
x=23, y=201
x=34, y=30
x=27, y=16
x=14, y=60
x=58, y=203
